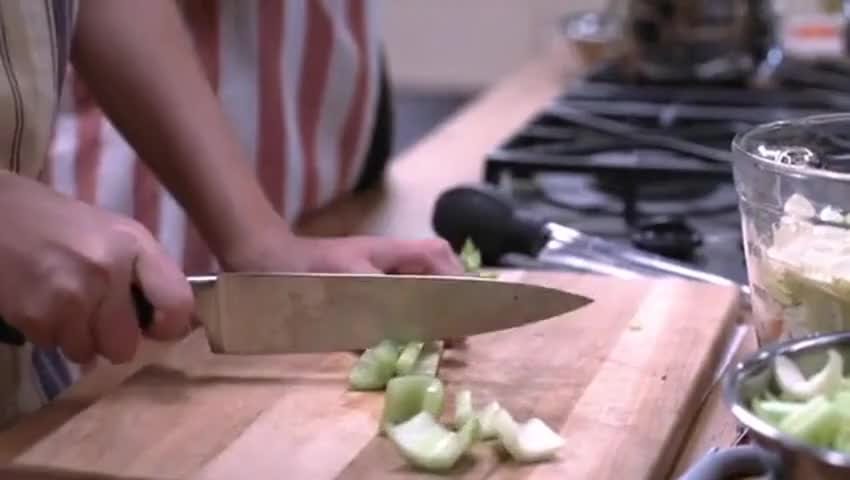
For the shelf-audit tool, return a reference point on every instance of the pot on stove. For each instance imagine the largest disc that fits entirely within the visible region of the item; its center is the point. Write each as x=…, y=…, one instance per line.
x=698, y=40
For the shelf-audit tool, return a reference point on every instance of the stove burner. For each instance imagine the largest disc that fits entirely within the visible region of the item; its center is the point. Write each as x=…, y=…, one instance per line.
x=658, y=190
x=670, y=236
x=596, y=194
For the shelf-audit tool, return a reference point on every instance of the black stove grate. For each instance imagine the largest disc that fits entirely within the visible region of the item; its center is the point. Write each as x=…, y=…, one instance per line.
x=637, y=161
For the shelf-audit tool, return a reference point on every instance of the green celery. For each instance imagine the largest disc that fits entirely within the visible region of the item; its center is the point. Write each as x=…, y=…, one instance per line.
x=428, y=445
x=375, y=367
x=816, y=422
x=470, y=256
x=409, y=395
x=408, y=358
x=463, y=407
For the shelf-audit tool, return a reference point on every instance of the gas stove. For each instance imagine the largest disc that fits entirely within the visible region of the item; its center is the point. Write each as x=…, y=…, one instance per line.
x=647, y=165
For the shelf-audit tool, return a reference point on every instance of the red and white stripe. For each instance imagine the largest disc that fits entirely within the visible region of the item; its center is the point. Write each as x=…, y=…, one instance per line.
x=298, y=79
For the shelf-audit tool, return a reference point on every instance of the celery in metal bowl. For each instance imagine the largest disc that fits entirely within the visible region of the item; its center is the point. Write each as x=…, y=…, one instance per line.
x=794, y=397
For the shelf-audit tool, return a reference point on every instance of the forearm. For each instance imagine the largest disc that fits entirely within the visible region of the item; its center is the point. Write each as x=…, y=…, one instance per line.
x=137, y=59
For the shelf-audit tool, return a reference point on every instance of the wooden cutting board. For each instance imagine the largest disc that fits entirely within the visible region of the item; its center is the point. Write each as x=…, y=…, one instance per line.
x=621, y=379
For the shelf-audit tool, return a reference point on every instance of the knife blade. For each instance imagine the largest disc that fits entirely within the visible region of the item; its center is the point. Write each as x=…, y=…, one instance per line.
x=300, y=313
x=276, y=313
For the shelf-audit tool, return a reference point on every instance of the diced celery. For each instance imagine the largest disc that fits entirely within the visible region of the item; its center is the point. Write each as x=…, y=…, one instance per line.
x=428, y=445
x=774, y=411
x=463, y=407
x=795, y=385
x=470, y=256
x=408, y=358
x=816, y=422
x=531, y=441
x=375, y=367
x=487, y=417
x=428, y=362
x=842, y=404
x=842, y=439
x=408, y=396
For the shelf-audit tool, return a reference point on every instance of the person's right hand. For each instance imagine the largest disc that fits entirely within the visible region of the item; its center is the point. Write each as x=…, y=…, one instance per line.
x=66, y=269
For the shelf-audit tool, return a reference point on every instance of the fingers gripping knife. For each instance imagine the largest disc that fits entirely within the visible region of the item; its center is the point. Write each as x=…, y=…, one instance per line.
x=270, y=313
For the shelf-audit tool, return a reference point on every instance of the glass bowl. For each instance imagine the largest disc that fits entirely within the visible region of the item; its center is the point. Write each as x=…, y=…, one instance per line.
x=793, y=184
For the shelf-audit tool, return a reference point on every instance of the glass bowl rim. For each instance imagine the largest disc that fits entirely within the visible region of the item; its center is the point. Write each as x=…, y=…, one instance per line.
x=744, y=154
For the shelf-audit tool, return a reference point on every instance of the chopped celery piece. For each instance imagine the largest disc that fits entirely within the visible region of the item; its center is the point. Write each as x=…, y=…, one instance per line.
x=816, y=422
x=428, y=445
x=531, y=441
x=796, y=386
x=842, y=404
x=409, y=395
x=429, y=360
x=842, y=439
x=470, y=256
x=408, y=358
x=463, y=407
x=774, y=411
x=487, y=417
x=375, y=367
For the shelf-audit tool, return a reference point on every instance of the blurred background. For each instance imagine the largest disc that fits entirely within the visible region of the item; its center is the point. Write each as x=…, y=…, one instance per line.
x=443, y=52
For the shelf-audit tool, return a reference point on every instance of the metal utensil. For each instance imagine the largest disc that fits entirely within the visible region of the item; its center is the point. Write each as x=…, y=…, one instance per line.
x=268, y=313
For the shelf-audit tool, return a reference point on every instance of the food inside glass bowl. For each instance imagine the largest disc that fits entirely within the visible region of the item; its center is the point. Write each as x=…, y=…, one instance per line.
x=802, y=274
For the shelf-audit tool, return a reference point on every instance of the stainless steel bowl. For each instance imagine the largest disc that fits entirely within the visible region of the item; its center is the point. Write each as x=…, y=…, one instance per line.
x=778, y=455
x=755, y=375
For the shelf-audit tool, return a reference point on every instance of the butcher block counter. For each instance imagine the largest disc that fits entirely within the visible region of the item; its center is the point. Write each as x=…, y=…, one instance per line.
x=628, y=381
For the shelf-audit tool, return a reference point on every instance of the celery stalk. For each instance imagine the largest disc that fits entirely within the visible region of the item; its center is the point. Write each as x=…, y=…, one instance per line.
x=408, y=358
x=487, y=417
x=842, y=404
x=774, y=411
x=428, y=362
x=470, y=256
x=528, y=442
x=842, y=439
x=409, y=395
x=375, y=367
x=463, y=407
x=816, y=422
x=796, y=386
x=428, y=445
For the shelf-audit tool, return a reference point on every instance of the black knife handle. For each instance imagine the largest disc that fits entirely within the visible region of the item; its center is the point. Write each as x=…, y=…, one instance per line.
x=144, y=314
x=491, y=219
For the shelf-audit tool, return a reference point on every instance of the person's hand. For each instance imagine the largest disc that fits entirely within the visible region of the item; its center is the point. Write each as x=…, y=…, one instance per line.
x=284, y=252
x=67, y=269
x=360, y=254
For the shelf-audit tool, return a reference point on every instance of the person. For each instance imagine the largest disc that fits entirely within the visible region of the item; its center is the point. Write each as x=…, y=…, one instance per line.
x=187, y=170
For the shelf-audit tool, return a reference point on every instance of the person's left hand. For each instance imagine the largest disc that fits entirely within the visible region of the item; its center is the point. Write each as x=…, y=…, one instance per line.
x=359, y=254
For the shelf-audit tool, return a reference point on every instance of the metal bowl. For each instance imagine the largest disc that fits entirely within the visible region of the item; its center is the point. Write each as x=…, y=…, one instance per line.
x=754, y=376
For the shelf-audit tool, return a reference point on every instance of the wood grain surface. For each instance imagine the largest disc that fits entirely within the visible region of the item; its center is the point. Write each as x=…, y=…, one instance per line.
x=621, y=380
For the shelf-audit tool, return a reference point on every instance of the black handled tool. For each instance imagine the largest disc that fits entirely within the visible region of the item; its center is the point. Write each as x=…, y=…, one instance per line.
x=498, y=227
x=490, y=219
x=144, y=313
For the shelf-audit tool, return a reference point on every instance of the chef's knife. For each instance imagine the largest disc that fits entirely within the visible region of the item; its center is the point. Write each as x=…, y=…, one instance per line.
x=247, y=313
